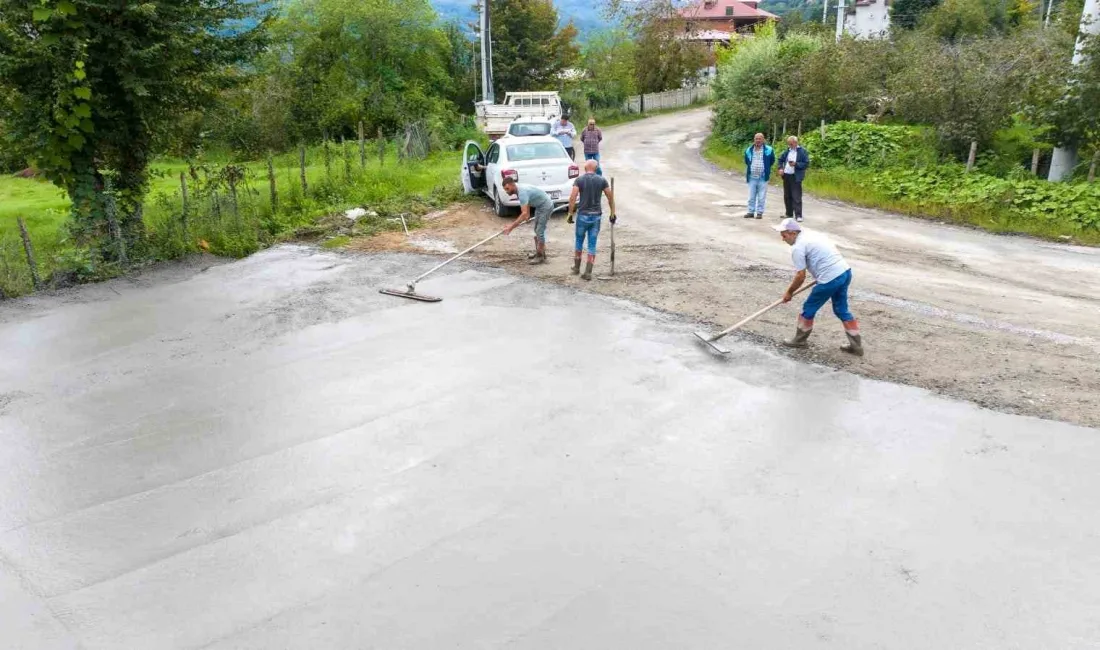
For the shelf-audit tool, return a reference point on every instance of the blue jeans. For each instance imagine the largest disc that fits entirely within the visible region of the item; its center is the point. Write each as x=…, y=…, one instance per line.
x=596, y=157
x=587, y=224
x=758, y=192
x=837, y=291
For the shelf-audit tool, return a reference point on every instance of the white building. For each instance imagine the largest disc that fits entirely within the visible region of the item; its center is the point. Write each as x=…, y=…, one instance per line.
x=868, y=19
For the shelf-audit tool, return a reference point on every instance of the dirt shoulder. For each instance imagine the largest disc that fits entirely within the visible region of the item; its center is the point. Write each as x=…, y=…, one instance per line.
x=1003, y=369
x=1006, y=322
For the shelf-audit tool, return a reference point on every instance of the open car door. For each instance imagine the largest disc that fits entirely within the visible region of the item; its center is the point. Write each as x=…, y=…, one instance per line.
x=473, y=168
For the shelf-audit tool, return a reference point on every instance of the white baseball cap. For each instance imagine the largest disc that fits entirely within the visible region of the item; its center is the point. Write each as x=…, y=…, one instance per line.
x=788, y=225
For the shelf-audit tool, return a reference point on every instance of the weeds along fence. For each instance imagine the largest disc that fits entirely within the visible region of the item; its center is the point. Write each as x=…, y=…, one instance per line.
x=680, y=98
x=236, y=208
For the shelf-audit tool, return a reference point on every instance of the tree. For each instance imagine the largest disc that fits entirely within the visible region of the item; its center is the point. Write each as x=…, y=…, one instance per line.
x=382, y=61
x=530, y=51
x=90, y=83
x=664, y=59
x=608, y=62
x=906, y=14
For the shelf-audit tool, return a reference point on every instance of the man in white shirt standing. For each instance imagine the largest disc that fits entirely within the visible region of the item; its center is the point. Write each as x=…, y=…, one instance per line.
x=813, y=252
x=565, y=132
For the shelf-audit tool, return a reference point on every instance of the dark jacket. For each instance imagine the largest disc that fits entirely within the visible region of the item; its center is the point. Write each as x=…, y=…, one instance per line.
x=769, y=161
x=800, y=165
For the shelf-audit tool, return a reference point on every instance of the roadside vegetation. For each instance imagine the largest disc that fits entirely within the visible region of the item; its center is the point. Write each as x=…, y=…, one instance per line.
x=903, y=115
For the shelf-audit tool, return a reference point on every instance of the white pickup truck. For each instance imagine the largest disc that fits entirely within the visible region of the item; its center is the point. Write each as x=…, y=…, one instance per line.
x=494, y=119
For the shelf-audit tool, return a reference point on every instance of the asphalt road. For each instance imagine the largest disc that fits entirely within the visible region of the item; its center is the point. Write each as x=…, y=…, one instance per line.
x=270, y=454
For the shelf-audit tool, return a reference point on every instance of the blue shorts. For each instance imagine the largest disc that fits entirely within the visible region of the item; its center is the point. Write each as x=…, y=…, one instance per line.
x=835, y=290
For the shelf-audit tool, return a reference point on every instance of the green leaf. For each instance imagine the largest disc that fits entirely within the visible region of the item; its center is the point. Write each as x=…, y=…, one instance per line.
x=87, y=126
x=76, y=141
x=80, y=64
x=80, y=75
x=42, y=14
x=82, y=93
x=50, y=39
x=82, y=110
x=66, y=8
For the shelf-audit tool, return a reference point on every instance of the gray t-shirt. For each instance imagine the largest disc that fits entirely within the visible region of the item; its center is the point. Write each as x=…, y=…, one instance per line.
x=533, y=196
x=592, y=187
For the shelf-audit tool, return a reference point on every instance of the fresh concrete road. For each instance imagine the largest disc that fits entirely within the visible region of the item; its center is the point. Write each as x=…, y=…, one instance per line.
x=270, y=454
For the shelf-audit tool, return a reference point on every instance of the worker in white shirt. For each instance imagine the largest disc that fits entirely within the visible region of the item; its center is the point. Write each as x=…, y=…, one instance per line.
x=813, y=252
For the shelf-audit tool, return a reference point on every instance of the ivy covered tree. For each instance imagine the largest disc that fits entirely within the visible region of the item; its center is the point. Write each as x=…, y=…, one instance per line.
x=91, y=82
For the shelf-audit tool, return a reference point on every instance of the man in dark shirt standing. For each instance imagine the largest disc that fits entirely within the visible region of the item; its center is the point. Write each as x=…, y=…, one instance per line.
x=588, y=188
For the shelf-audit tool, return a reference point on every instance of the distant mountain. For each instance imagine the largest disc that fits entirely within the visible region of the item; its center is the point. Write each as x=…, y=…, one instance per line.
x=587, y=15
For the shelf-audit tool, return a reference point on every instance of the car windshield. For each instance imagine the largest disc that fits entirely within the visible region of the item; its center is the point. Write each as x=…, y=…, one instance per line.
x=530, y=128
x=536, y=151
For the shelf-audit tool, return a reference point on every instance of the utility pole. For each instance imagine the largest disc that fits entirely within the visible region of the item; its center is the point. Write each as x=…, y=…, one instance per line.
x=1065, y=158
x=825, y=13
x=486, y=54
x=839, y=20
x=1050, y=5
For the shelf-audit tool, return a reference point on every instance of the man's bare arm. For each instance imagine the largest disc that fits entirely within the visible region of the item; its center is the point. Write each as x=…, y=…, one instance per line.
x=796, y=282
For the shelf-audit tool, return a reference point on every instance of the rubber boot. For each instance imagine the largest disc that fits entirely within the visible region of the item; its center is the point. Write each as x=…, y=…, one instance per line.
x=540, y=254
x=587, y=275
x=855, y=343
x=577, y=263
x=801, y=334
x=535, y=253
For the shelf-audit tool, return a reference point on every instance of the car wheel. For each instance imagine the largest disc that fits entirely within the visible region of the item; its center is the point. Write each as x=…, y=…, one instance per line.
x=498, y=205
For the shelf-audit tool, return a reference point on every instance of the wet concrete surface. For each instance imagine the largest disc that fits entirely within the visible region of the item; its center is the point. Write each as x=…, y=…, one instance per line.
x=270, y=454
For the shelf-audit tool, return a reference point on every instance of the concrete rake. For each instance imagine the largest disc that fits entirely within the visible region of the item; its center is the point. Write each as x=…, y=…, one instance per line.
x=411, y=292
x=712, y=340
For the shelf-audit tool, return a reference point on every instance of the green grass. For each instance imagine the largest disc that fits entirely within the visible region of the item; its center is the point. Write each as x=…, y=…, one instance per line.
x=388, y=188
x=849, y=185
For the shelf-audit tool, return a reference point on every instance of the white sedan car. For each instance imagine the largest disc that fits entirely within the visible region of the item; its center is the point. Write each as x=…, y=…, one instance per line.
x=538, y=160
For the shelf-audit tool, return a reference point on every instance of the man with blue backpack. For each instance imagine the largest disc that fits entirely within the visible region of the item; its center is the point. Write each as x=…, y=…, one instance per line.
x=759, y=160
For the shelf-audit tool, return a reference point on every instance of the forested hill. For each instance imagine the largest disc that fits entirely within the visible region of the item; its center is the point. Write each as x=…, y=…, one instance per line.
x=586, y=14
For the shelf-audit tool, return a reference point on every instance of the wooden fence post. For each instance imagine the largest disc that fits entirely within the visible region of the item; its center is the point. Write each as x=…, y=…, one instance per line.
x=302, y=167
x=112, y=222
x=328, y=156
x=1092, y=167
x=183, y=191
x=800, y=129
x=381, y=149
x=972, y=157
x=233, y=198
x=362, y=146
x=1034, y=162
x=784, y=132
x=28, y=248
x=822, y=129
x=271, y=184
x=347, y=158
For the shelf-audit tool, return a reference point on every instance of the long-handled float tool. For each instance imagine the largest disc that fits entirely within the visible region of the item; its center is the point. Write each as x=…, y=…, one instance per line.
x=712, y=340
x=611, y=275
x=411, y=292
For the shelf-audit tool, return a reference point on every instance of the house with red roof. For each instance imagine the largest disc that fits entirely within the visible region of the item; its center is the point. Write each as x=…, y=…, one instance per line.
x=724, y=15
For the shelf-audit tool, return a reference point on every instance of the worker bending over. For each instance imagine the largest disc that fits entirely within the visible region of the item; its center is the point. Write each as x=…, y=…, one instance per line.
x=814, y=252
x=531, y=199
x=589, y=189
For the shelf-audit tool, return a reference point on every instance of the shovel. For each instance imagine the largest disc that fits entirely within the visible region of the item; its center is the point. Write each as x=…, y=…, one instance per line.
x=712, y=340
x=611, y=275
